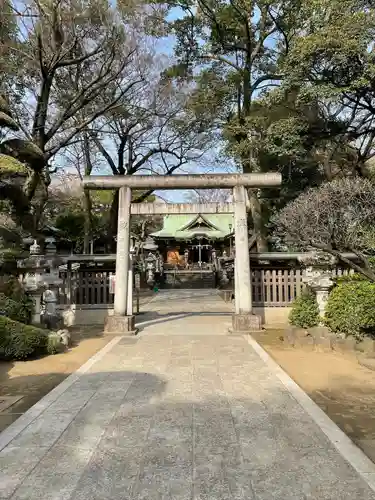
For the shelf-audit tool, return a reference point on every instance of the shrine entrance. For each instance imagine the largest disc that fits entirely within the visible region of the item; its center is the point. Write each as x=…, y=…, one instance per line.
x=243, y=319
x=200, y=253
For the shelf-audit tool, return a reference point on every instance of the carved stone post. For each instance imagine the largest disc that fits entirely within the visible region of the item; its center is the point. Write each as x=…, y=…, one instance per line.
x=130, y=280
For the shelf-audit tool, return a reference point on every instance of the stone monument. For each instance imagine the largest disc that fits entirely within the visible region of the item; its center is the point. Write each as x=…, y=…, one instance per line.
x=318, y=276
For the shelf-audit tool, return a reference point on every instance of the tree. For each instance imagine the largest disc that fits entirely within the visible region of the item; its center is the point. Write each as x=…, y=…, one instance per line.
x=8, y=38
x=209, y=196
x=337, y=217
x=233, y=50
x=332, y=60
x=66, y=211
x=153, y=133
x=58, y=43
x=14, y=167
x=303, y=139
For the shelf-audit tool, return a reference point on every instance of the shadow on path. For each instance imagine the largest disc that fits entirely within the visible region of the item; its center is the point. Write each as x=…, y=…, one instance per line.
x=154, y=317
x=117, y=435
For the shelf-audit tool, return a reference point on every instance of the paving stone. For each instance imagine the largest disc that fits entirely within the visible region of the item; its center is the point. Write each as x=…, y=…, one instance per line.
x=167, y=482
x=74, y=399
x=16, y=462
x=89, y=425
x=109, y=475
x=125, y=432
x=45, y=430
x=172, y=453
x=89, y=381
x=56, y=476
x=221, y=476
x=324, y=476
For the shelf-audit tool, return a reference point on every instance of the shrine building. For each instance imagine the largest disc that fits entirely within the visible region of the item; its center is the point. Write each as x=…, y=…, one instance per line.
x=195, y=240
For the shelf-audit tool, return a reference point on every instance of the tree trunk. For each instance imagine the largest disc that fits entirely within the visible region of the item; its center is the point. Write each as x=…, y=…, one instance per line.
x=87, y=207
x=257, y=220
x=31, y=184
x=256, y=214
x=113, y=221
x=40, y=203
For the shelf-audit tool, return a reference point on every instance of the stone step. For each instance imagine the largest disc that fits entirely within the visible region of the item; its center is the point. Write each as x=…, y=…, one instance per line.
x=189, y=280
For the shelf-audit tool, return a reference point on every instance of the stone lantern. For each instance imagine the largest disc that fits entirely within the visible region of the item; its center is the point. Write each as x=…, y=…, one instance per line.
x=34, y=268
x=318, y=275
x=41, y=281
x=214, y=259
x=224, y=280
x=151, y=262
x=151, y=266
x=186, y=257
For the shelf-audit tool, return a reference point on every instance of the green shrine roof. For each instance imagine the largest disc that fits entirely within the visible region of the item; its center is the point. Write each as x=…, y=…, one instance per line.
x=185, y=227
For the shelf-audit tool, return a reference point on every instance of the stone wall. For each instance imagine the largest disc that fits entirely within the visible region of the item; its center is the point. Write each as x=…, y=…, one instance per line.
x=321, y=337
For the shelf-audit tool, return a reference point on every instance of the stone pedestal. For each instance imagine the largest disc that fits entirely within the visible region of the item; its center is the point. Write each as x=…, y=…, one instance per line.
x=37, y=299
x=322, y=290
x=318, y=276
x=120, y=325
x=245, y=323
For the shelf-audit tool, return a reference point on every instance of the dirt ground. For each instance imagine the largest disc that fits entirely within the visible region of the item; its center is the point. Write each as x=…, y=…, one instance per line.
x=344, y=389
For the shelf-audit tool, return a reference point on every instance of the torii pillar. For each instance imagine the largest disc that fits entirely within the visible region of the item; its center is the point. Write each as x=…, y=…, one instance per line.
x=123, y=319
x=243, y=321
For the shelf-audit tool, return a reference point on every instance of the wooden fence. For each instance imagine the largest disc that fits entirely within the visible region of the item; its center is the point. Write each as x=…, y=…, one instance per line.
x=86, y=288
x=270, y=287
x=276, y=287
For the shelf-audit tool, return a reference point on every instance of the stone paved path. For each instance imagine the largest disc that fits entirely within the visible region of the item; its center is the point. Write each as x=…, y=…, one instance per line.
x=175, y=417
x=186, y=312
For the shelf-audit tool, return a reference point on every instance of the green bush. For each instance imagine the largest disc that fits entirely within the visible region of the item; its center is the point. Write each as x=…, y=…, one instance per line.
x=19, y=310
x=351, y=308
x=349, y=278
x=15, y=303
x=305, y=311
x=20, y=341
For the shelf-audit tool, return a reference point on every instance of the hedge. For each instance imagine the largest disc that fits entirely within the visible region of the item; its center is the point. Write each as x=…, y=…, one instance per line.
x=350, y=309
x=305, y=311
x=19, y=310
x=20, y=341
x=14, y=302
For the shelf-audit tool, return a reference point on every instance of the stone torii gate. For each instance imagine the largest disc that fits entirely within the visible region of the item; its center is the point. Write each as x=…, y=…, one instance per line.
x=243, y=319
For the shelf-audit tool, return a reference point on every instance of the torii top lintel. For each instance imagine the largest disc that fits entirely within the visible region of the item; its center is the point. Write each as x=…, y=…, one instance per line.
x=193, y=181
